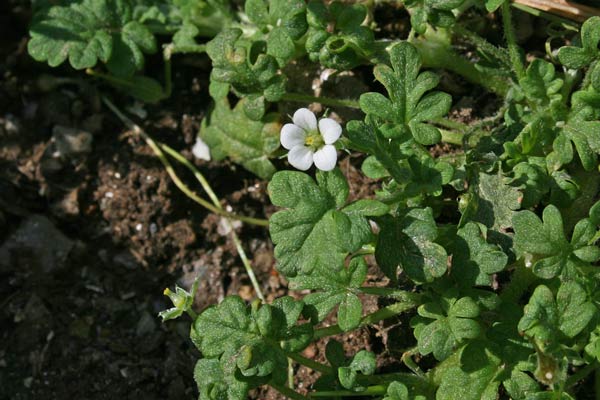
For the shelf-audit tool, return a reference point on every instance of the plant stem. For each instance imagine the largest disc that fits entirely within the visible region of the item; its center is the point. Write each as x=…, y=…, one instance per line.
x=290, y=372
x=207, y=188
x=383, y=313
x=376, y=390
x=482, y=44
x=326, y=101
x=386, y=292
x=197, y=174
x=192, y=314
x=211, y=194
x=511, y=41
x=438, y=54
x=287, y=392
x=188, y=192
x=315, y=366
x=452, y=137
x=451, y=124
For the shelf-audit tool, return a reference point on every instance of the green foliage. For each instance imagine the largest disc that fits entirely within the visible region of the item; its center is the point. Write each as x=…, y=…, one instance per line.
x=243, y=64
x=90, y=31
x=474, y=261
x=408, y=107
x=285, y=22
x=408, y=241
x=434, y=12
x=253, y=339
x=336, y=36
x=581, y=56
x=444, y=323
x=230, y=133
x=544, y=240
x=315, y=214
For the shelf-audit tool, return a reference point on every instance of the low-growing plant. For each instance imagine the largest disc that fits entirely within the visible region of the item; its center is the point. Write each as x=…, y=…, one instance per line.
x=489, y=249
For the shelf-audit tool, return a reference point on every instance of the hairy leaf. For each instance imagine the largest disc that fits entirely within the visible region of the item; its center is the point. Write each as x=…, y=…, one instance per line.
x=230, y=133
x=90, y=31
x=408, y=105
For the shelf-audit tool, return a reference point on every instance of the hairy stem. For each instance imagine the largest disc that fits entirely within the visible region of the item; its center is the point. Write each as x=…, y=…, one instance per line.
x=307, y=362
x=437, y=54
x=481, y=43
x=326, y=101
x=511, y=41
x=383, y=313
x=451, y=137
x=376, y=390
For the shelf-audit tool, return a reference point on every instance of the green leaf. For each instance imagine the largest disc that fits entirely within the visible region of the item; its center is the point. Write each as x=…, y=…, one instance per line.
x=230, y=133
x=492, y=203
x=493, y=5
x=546, y=242
x=444, y=323
x=576, y=311
x=540, y=318
x=579, y=57
x=520, y=386
x=584, y=135
x=90, y=31
x=407, y=107
x=336, y=37
x=255, y=339
x=350, y=312
x=407, y=241
x=476, y=376
x=247, y=68
x=364, y=362
x=435, y=12
x=283, y=21
x=216, y=384
x=540, y=85
x=474, y=261
x=141, y=87
x=314, y=217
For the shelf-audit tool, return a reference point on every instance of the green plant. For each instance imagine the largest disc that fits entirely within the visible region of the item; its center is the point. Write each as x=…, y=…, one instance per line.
x=491, y=248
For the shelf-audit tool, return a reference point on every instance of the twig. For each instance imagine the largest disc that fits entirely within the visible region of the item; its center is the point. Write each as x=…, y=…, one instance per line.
x=566, y=9
x=156, y=148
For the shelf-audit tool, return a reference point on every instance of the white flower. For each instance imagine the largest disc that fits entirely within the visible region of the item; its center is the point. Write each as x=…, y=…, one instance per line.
x=308, y=144
x=201, y=150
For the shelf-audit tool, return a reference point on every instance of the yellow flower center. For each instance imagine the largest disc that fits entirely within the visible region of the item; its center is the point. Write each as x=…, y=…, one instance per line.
x=314, y=140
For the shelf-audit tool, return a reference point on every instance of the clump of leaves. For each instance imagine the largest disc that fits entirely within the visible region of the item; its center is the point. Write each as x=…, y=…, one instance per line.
x=90, y=31
x=336, y=35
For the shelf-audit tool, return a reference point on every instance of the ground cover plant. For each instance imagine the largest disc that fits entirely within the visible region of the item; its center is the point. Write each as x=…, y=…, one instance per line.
x=488, y=248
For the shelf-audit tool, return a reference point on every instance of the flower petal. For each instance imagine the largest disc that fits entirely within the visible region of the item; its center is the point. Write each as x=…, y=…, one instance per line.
x=291, y=136
x=201, y=150
x=301, y=157
x=330, y=130
x=325, y=158
x=305, y=119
